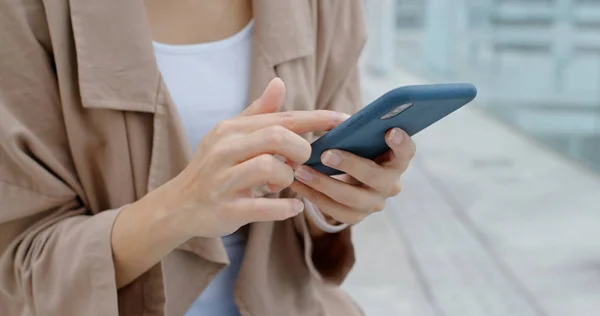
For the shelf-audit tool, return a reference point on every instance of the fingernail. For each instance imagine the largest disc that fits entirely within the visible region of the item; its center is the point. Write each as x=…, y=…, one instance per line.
x=396, y=136
x=332, y=158
x=294, y=165
x=303, y=175
x=340, y=117
x=290, y=163
x=274, y=188
x=297, y=206
x=267, y=87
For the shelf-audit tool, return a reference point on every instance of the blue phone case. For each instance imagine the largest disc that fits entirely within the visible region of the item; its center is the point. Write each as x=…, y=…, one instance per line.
x=363, y=134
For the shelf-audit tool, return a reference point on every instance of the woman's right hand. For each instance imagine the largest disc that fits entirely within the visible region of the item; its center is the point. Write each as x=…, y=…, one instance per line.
x=212, y=196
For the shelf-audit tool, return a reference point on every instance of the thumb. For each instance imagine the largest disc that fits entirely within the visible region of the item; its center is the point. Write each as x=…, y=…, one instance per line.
x=270, y=101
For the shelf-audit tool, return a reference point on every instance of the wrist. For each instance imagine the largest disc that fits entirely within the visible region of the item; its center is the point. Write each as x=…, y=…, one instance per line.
x=166, y=217
x=142, y=234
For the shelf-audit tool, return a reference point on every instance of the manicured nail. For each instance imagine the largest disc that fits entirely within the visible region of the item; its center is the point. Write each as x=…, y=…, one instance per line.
x=332, y=158
x=303, y=175
x=297, y=206
x=396, y=136
x=294, y=165
x=274, y=189
x=290, y=163
x=340, y=117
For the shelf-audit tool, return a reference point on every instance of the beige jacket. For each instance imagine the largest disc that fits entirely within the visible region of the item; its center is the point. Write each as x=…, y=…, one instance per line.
x=87, y=126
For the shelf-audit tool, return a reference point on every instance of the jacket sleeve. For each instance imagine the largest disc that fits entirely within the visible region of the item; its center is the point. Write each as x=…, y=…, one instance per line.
x=55, y=256
x=331, y=257
x=57, y=261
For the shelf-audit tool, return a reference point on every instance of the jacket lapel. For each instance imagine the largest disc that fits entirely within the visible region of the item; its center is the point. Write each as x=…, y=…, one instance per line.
x=282, y=32
x=115, y=59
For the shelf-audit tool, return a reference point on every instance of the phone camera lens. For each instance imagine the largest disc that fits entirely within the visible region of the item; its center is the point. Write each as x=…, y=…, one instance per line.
x=399, y=109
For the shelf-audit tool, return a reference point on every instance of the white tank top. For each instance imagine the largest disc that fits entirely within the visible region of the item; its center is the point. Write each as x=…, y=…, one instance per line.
x=209, y=83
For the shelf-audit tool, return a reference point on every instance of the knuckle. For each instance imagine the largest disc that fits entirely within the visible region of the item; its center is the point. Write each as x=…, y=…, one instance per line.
x=404, y=165
x=412, y=151
x=223, y=127
x=327, y=116
x=288, y=120
x=396, y=189
x=224, y=213
x=282, y=176
x=274, y=136
x=214, y=197
x=266, y=159
x=305, y=151
x=220, y=151
x=379, y=206
x=289, y=211
x=289, y=176
x=315, y=198
x=278, y=129
x=258, y=209
x=353, y=219
x=284, y=116
x=370, y=175
x=264, y=164
x=350, y=200
x=346, y=215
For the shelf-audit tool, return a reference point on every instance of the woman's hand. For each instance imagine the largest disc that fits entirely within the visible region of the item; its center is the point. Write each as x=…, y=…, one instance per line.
x=213, y=195
x=364, y=188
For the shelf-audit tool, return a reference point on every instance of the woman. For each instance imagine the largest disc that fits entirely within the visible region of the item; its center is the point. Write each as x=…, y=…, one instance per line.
x=104, y=210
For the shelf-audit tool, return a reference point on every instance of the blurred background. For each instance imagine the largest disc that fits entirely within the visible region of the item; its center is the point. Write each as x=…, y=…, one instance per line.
x=500, y=212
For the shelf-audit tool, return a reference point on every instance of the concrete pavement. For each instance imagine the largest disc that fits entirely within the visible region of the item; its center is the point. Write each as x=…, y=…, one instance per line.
x=489, y=223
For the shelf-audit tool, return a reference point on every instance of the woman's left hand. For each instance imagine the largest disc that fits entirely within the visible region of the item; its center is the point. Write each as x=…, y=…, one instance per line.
x=364, y=187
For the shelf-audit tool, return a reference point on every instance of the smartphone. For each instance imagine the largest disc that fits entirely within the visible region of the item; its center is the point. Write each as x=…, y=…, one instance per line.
x=410, y=108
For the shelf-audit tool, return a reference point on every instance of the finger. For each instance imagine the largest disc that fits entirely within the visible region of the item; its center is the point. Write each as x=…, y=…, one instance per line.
x=403, y=149
x=325, y=204
x=270, y=140
x=258, y=171
x=250, y=210
x=299, y=122
x=359, y=198
x=364, y=170
x=270, y=101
